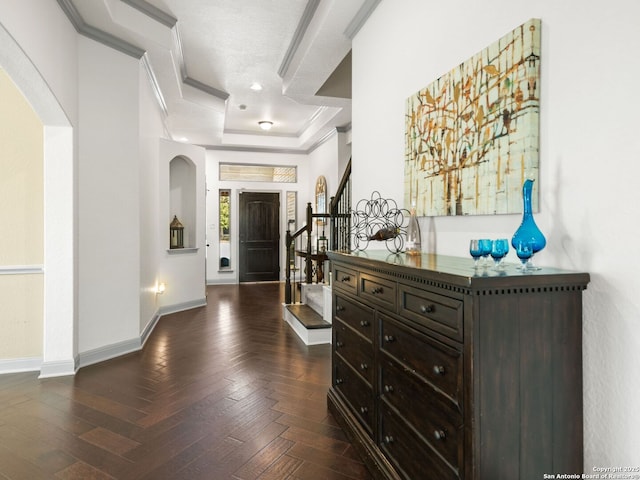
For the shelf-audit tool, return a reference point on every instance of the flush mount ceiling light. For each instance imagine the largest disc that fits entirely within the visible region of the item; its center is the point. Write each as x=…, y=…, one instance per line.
x=256, y=87
x=265, y=125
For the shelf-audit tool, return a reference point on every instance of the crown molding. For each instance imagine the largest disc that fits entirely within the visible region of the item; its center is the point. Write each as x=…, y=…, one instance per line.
x=111, y=41
x=361, y=17
x=96, y=34
x=72, y=14
x=285, y=151
x=292, y=151
x=330, y=134
x=305, y=20
x=152, y=12
x=116, y=43
x=203, y=87
x=186, y=79
x=258, y=134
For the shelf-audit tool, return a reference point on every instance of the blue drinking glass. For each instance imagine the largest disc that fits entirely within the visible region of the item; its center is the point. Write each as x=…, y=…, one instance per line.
x=485, y=247
x=499, y=250
x=475, y=251
x=524, y=251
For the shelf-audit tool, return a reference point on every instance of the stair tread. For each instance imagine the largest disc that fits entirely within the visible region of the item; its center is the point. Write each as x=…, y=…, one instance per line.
x=308, y=317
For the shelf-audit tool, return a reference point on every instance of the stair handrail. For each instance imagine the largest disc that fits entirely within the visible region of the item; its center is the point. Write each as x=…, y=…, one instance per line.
x=308, y=252
x=339, y=218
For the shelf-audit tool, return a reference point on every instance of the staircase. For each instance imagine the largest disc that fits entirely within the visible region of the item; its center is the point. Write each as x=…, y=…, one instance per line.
x=311, y=319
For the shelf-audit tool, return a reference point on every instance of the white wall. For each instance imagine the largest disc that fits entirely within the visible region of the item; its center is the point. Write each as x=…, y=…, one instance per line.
x=344, y=154
x=183, y=272
x=109, y=236
x=588, y=165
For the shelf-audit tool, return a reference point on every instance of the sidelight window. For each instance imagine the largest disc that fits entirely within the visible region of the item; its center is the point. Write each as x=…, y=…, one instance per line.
x=224, y=220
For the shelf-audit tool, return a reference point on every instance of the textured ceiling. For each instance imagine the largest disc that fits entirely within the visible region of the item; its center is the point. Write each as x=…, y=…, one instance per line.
x=204, y=55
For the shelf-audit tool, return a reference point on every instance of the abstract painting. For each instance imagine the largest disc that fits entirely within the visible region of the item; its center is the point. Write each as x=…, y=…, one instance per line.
x=472, y=135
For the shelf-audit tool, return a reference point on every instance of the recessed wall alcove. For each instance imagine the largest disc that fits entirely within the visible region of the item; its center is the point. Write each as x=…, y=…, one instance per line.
x=182, y=199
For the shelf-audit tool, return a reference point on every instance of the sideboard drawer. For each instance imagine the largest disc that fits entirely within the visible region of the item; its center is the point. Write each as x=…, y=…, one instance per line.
x=437, y=363
x=433, y=416
x=354, y=349
x=408, y=453
x=378, y=290
x=436, y=312
x=345, y=279
x=354, y=314
x=355, y=392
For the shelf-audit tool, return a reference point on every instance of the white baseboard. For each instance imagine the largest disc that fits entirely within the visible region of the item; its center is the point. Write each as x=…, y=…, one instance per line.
x=18, y=365
x=58, y=368
x=108, y=352
x=62, y=368
x=135, y=344
x=149, y=328
x=223, y=281
x=180, y=307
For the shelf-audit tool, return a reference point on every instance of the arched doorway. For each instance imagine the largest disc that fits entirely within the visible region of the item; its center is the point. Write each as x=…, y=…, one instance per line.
x=59, y=308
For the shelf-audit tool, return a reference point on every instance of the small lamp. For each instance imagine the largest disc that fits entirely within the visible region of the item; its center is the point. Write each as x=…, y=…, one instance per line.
x=176, y=233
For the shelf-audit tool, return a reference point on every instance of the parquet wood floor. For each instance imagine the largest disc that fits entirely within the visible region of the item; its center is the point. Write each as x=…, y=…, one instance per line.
x=226, y=391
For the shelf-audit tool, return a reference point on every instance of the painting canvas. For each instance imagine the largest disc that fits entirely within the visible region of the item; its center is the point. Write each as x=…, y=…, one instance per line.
x=472, y=135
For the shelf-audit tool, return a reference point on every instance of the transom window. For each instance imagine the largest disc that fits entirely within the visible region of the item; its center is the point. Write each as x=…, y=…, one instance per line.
x=243, y=172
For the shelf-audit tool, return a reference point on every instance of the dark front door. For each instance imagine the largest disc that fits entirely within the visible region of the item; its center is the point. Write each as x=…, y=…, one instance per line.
x=259, y=237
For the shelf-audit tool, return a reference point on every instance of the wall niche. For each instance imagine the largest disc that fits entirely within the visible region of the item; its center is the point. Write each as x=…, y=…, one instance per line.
x=182, y=199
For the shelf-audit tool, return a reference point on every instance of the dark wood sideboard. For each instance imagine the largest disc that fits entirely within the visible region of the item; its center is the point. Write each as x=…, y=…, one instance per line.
x=444, y=373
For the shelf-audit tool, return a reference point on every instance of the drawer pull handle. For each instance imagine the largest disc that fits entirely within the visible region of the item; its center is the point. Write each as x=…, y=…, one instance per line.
x=377, y=290
x=427, y=308
x=364, y=410
x=339, y=344
x=363, y=366
x=339, y=308
x=438, y=369
x=339, y=381
x=346, y=278
x=388, y=439
x=364, y=323
x=439, y=434
x=389, y=338
x=388, y=388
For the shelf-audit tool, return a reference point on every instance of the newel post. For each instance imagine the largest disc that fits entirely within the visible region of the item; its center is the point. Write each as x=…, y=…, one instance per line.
x=287, y=283
x=308, y=262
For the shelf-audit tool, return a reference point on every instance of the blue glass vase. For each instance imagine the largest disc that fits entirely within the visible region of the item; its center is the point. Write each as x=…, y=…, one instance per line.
x=528, y=232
